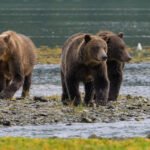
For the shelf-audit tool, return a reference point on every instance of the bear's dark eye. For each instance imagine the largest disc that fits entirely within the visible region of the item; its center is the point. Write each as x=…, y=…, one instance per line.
x=122, y=47
x=105, y=48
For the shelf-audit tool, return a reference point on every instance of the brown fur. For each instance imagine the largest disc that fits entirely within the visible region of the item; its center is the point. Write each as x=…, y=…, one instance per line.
x=17, y=58
x=83, y=60
x=117, y=56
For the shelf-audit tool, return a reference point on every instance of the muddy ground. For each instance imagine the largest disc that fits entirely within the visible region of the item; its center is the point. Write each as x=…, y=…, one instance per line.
x=41, y=110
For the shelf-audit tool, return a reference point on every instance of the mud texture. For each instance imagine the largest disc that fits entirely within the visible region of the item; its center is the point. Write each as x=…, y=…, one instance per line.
x=46, y=110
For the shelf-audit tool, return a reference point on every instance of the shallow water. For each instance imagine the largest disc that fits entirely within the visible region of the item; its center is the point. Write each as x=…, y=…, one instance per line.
x=112, y=130
x=46, y=80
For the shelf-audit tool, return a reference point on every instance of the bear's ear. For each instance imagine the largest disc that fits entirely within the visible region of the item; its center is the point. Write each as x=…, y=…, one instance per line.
x=87, y=38
x=120, y=34
x=105, y=38
x=6, y=38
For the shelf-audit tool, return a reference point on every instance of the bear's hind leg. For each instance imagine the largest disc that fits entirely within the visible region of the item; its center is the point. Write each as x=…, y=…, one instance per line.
x=115, y=84
x=2, y=82
x=64, y=96
x=115, y=74
x=101, y=85
x=89, y=92
x=7, y=82
x=73, y=90
x=26, y=85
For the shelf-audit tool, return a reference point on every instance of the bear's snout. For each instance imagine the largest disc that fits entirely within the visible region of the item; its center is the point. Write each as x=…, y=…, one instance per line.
x=104, y=58
x=127, y=58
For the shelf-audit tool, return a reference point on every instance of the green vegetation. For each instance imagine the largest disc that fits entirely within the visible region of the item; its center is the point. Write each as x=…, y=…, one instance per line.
x=48, y=55
x=73, y=144
x=140, y=56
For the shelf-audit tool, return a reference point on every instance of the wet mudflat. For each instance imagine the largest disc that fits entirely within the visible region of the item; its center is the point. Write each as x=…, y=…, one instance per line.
x=38, y=111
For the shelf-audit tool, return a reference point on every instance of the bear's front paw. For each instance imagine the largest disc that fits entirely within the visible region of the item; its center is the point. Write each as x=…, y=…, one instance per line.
x=101, y=102
x=4, y=95
x=112, y=99
x=66, y=102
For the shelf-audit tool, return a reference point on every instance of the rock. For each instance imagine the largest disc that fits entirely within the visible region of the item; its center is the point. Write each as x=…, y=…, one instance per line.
x=122, y=118
x=110, y=107
x=68, y=124
x=139, y=105
x=5, y=111
x=84, y=114
x=93, y=136
x=86, y=120
x=6, y=123
x=43, y=114
x=53, y=137
x=41, y=99
x=139, y=119
x=131, y=107
x=148, y=136
x=145, y=100
x=106, y=120
x=129, y=96
x=92, y=104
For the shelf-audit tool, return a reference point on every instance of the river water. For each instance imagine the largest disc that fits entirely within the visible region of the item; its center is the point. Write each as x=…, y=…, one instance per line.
x=112, y=130
x=51, y=22
x=46, y=81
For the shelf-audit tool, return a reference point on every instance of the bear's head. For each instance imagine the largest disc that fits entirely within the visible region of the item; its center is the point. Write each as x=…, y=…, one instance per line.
x=93, y=50
x=116, y=47
x=4, y=46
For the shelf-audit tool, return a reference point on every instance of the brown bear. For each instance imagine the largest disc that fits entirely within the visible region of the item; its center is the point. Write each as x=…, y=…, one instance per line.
x=84, y=60
x=17, y=58
x=117, y=56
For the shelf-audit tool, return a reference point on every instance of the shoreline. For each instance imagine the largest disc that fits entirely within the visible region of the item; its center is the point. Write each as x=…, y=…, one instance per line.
x=47, y=55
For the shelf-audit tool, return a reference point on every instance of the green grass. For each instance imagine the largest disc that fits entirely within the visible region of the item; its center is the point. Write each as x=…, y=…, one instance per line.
x=140, y=56
x=48, y=55
x=73, y=144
